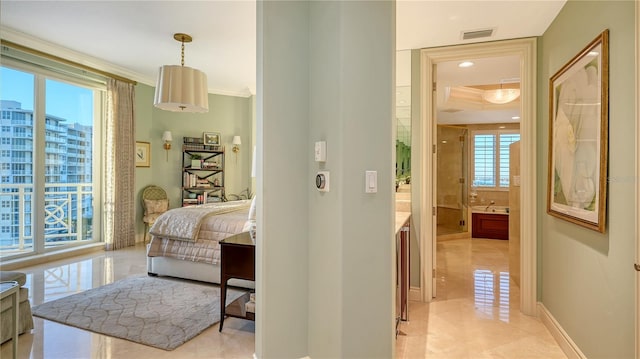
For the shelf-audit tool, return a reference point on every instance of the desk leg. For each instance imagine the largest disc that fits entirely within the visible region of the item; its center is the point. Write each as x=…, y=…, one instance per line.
x=223, y=301
x=14, y=303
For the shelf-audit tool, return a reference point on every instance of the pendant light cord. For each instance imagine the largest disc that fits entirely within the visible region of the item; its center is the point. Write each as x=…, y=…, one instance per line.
x=182, y=54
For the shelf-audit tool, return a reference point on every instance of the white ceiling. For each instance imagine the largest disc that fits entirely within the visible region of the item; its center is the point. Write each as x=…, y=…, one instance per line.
x=485, y=71
x=134, y=38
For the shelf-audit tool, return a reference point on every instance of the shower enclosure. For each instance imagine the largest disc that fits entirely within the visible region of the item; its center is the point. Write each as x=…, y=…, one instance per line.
x=452, y=179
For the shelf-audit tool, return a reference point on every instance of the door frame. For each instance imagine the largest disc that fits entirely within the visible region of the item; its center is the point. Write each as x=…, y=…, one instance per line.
x=637, y=204
x=526, y=49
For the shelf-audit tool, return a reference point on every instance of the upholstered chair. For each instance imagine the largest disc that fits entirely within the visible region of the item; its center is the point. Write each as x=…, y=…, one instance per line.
x=25, y=320
x=154, y=202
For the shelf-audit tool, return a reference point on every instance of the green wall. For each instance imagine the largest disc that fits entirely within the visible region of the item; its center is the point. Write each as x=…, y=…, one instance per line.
x=586, y=279
x=228, y=115
x=325, y=260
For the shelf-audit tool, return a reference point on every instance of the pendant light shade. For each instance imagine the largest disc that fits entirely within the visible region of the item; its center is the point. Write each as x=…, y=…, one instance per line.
x=181, y=88
x=501, y=96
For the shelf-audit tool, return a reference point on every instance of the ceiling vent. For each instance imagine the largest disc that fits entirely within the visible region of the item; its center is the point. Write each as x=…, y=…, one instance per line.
x=476, y=34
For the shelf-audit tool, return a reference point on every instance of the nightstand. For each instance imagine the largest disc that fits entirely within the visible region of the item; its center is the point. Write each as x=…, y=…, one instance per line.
x=237, y=260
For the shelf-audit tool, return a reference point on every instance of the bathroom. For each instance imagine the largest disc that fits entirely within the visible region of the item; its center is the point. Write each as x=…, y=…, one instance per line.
x=478, y=119
x=467, y=188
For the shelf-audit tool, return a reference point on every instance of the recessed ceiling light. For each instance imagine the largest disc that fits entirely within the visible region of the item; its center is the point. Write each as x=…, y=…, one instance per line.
x=444, y=141
x=502, y=127
x=465, y=64
x=515, y=117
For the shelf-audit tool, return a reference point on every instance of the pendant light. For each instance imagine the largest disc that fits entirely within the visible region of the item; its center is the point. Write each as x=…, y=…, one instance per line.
x=181, y=88
x=501, y=96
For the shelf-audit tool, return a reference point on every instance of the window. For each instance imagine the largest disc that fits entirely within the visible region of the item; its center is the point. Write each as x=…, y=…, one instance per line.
x=491, y=158
x=71, y=194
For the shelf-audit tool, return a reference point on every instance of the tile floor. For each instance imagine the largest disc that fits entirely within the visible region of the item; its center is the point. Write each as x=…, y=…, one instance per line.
x=52, y=340
x=476, y=310
x=475, y=315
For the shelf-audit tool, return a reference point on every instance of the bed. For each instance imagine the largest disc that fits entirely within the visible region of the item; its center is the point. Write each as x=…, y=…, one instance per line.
x=185, y=241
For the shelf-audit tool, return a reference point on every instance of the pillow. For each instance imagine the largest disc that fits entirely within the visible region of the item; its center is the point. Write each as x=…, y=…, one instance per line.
x=252, y=210
x=155, y=206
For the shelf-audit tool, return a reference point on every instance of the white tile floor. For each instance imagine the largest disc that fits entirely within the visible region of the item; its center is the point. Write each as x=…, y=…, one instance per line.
x=475, y=315
x=52, y=340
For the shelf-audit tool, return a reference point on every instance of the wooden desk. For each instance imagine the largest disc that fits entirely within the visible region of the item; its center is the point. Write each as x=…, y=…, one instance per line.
x=237, y=260
x=12, y=289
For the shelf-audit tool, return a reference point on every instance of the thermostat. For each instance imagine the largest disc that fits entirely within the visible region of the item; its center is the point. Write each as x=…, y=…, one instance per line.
x=322, y=181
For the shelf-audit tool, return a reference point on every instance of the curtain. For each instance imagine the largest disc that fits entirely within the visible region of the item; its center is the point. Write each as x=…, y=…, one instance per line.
x=119, y=198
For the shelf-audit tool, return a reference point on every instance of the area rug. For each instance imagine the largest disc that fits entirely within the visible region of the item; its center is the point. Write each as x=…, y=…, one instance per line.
x=159, y=312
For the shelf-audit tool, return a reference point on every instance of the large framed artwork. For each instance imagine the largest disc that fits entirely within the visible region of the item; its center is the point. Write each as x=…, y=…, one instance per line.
x=578, y=137
x=143, y=154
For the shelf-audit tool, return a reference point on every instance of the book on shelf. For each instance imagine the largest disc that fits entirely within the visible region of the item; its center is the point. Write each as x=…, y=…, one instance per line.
x=202, y=147
x=203, y=184
x=193, y=140
x=190, y=180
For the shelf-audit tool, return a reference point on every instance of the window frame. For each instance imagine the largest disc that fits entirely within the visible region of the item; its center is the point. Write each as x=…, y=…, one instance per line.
x=98, y=88
x=496, y=175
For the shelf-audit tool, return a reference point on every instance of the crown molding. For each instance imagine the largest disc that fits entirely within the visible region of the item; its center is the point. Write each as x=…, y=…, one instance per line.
x=35, y=43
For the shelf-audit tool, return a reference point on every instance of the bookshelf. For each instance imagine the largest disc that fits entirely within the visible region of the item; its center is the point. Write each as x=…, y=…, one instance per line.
x=202, y=172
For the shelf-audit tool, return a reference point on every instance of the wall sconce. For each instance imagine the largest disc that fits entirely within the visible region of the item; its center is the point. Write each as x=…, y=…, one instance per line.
x=236, y=146
x=167, y=138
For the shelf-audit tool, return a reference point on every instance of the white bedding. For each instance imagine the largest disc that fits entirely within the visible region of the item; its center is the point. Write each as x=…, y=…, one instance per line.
x=205, y=248
x=184, y=223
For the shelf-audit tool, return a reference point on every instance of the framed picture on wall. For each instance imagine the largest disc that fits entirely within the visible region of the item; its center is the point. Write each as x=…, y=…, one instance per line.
x=143, y=154
x=211, y=138
x=578, y=137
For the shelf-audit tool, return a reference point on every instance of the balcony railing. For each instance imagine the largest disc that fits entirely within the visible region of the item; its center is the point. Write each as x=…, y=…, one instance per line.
x=68, y=216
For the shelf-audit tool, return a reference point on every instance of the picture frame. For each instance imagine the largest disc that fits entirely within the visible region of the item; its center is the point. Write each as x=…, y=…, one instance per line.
x=211, y=138
x=578, y=137
x=143, y=154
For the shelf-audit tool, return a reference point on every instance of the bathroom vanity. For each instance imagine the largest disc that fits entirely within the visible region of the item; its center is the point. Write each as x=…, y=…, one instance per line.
x=494, y=225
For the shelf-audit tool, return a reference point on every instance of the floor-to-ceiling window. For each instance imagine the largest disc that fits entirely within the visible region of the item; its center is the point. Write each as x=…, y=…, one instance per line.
x=49, y=187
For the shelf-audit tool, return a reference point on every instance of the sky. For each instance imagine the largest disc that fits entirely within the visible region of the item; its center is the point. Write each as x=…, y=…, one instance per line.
x=73, y=103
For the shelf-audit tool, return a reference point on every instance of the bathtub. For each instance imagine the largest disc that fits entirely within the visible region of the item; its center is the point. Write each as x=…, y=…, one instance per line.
x=490, y=222
x=490, y=209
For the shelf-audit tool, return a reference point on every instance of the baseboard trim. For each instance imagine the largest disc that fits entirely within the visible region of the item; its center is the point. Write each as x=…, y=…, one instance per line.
x=567, y=345
x=415, y=294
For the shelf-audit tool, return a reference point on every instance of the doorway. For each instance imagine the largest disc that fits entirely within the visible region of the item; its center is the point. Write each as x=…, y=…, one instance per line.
x=426, y=194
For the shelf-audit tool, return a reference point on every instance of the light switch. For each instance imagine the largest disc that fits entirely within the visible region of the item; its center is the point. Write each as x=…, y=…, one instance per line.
x=371, y=182
x=515, y=181
x=320, y=151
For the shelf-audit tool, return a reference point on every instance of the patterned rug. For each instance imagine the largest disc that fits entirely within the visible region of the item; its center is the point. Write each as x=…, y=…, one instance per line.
x=159, y=312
